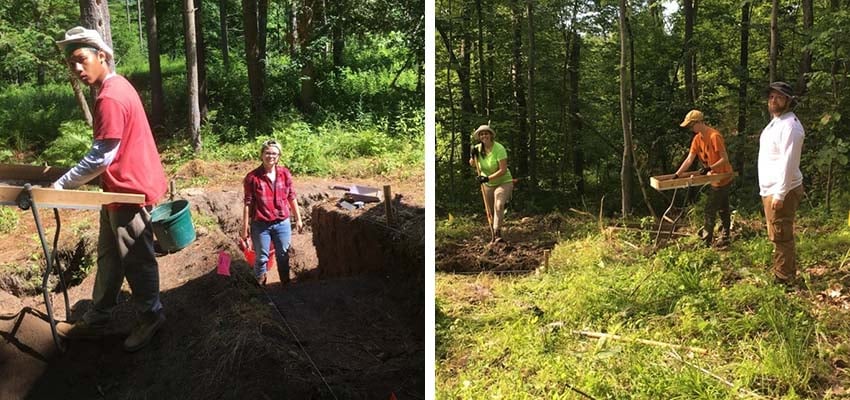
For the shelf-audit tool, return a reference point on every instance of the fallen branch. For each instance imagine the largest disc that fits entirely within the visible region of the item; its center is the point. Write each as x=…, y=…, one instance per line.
x=746, y=392
x=637, y=230
x=632, y=245
x=574, y=389
x=495, y=272
x=599, y=335
x=585, y=213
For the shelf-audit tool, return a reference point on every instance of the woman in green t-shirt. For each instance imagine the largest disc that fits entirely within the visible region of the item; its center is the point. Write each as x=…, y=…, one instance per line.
x=491, y=161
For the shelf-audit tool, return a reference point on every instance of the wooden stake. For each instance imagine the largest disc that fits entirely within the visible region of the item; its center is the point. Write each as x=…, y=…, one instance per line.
x=486, y=207
x=599, y=335
x=388, y=207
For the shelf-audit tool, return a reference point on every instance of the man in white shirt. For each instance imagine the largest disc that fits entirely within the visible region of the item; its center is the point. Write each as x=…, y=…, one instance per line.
x=780, y=179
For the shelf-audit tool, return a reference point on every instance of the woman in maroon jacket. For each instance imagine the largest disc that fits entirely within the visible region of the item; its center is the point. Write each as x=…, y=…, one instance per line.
x=269, y=204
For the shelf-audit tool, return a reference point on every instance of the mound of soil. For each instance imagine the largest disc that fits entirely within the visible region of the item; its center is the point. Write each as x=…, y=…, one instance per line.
x=361, y=240
x=359, y=336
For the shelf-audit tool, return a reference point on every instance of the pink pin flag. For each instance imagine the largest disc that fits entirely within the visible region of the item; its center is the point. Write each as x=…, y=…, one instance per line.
x=223, y=263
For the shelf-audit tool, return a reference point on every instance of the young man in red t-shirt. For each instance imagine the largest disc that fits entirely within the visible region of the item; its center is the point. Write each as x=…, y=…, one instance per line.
x=708, y=145
x=125, y=157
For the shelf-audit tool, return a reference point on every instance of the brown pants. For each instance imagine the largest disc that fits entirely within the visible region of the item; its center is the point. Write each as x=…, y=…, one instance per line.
x=780, y=230
x=497, y=197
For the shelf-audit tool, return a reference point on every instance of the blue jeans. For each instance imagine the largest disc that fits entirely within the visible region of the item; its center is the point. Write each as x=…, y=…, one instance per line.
x=263, y=233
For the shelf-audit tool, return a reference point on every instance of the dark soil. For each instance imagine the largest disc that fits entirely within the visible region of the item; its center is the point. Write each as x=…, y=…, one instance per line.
x=357, y=333
x=523, y=249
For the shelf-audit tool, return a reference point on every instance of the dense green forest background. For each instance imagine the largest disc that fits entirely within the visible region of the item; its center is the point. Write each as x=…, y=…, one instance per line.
x=338, y=80
x=546, y=75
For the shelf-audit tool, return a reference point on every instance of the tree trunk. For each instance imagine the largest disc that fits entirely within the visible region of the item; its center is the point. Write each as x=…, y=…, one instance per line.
x=222, y=19
x=575, y=124
x=81, y=98
x=520, y=140
x=632, y=107
x=689, y=51
x=806, y=59
x=139, y=22
x=482, y=76
x=201, y=48
x=292, y=27
x=532, y=111
x=192, y=74
x=743, y=79
x=566, y=139
x=467, y=104
x=305, y=17
x=262, y=29
x=452, y=127
x=490, y=73
x=127, y=7
x=252, y=56
x=339, y=9
x=774, y=39
x=157, y=96
x=467, y=107
x=626, y=167
x=94, y=14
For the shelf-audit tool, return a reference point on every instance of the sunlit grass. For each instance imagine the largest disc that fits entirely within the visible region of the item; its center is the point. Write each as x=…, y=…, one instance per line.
x=516, y=337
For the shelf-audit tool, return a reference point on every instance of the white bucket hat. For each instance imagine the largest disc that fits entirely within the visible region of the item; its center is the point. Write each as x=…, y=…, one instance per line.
x=82, y=36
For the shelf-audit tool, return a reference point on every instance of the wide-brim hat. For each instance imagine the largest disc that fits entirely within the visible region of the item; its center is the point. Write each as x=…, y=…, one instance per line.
x=78, y=37
x=483, y=128
x=781, y=87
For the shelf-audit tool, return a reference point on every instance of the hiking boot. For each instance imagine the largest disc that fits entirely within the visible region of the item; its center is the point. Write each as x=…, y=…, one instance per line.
x=141, y=335
x=82, y=329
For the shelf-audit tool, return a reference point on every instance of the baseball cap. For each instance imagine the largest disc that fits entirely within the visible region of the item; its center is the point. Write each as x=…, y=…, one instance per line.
x=693, y=116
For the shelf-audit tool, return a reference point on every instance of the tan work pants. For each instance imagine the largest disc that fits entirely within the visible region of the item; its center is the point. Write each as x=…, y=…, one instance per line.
x=497, y=197
x=780, y=230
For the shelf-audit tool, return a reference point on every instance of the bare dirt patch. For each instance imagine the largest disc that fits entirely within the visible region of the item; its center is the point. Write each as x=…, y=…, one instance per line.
x=351, y=336
x=526, y=241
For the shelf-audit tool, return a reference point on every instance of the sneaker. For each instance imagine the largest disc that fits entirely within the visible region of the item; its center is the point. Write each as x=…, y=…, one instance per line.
x=82, y=329
x=262, y=279
x=142, y=334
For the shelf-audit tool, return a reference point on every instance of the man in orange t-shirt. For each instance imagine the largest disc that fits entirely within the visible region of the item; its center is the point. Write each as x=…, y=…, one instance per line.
x=708, y=145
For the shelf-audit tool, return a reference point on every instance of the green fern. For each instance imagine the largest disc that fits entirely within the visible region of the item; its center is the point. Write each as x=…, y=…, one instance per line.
x=73, y=143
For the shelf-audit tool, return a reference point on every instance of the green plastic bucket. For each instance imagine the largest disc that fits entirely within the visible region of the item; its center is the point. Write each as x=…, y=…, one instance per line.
x=172, y=225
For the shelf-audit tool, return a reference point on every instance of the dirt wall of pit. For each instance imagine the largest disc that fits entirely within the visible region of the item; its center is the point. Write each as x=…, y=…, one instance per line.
x=360, y=241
